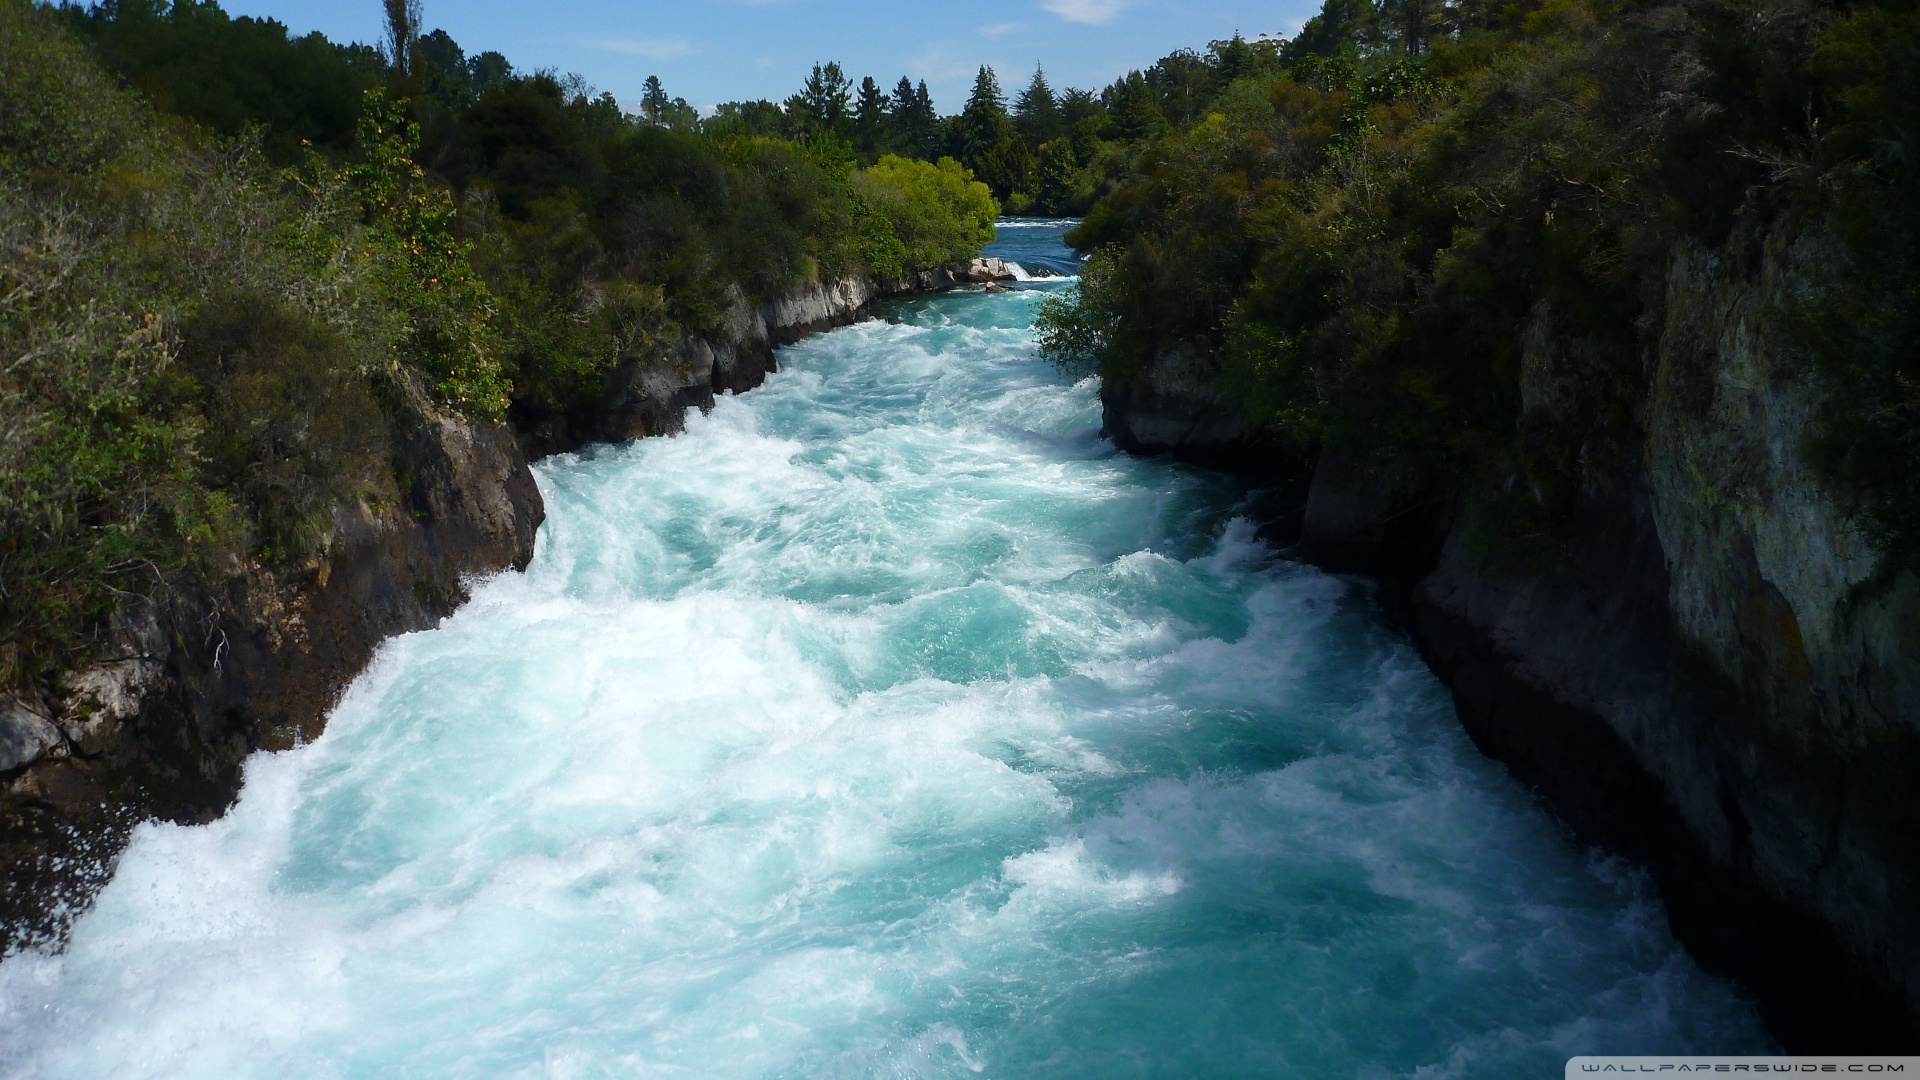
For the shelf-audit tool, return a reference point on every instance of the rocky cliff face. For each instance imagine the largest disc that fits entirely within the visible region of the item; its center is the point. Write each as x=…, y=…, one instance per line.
x=1173, y=407
x=646, y=396
x=1712, y=670
x=244, y=657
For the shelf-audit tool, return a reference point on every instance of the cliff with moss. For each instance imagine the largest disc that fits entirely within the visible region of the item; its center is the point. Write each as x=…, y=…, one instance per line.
x=1587, y=327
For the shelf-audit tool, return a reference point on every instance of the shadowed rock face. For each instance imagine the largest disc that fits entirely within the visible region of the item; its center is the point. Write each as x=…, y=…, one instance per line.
x=1171, y=406
x=248, y=657
x=1712, y=671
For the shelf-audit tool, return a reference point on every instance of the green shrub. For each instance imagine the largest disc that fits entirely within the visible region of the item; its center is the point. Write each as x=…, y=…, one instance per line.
x=97, y=484
x=289, y=426
x=425, y=271
x=938, y=213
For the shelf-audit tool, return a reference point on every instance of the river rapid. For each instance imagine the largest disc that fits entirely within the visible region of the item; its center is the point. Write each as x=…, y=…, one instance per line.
x=887, y=723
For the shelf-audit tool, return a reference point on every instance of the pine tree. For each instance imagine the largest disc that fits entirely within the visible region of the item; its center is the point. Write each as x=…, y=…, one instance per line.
x=1131, y=106
x=1235, y=58
x=930, y=133
x=983, y=138
x=1342, y=27
x=653, y=101
x=1037, y=112
x=825, y=97
x=1412, y=21
x=870, y=118
x=915, y=127
x=983, y=123
x=987, y=98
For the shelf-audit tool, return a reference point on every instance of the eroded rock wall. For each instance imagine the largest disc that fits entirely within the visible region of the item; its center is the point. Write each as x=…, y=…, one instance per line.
x=1711, y=669
x=244, y=657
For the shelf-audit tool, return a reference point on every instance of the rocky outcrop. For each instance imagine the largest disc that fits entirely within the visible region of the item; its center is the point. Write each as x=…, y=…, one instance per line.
x=989, y=270
x=1711, y=669
x=650, y=395
x=244, y=657
x=1174, y=405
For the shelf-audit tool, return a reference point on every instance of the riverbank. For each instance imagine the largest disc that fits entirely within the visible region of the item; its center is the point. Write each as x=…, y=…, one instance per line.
x=193, y=683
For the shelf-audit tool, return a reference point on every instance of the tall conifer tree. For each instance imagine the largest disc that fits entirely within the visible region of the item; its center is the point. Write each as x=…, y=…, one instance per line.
x=653, y=101
x=825, y=98
x=1037, y=111
x=870, y=118
x=915, y=127
x=983, y=123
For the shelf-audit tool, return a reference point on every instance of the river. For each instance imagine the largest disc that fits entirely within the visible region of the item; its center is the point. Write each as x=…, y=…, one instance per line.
x=887, y=723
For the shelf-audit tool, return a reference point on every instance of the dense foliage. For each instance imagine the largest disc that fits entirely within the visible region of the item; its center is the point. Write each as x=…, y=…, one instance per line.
x=189, y=57
x=1863, y=331
x=231, y=279
x=1360, y=229
x=193, y=350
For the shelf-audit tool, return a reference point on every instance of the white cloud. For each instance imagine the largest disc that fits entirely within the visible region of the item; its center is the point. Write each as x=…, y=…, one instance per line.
x=650, y=49
x=999, y=29
x=1085, y=11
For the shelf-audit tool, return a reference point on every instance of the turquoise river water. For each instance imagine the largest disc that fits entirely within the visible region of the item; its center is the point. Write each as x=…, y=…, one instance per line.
x=885, y=724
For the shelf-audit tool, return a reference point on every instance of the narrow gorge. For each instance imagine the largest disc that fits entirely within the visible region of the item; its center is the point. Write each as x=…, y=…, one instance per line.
x=1390, y=549
x=886, y=720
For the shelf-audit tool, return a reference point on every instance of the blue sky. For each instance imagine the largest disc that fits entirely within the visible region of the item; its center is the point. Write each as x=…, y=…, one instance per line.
x=709, y=51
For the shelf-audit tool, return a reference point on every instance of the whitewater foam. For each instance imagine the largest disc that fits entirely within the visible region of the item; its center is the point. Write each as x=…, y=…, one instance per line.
x=886, y=723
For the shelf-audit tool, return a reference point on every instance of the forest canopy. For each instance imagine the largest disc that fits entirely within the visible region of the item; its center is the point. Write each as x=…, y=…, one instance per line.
x=242, y=265
x=1354, y=232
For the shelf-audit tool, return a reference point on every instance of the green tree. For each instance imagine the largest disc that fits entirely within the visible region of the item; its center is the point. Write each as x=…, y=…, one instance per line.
x=979, y=132
x=870, y=118
x=1184, y=84
x=1132, y=106
x=915, y=125
x=654, y=101
x=935, y=214
x=984, y=122
x=658, y=109
x=1414, y=23
x=1037, y=111
x=1237, y=58
x=1342, y=27
x=445, y=71
x=1054, y=178
x=1077, y=106
x=402, y=41
x=490, y=69
x=824, y=100
x=190, y=58
x=756, y=118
